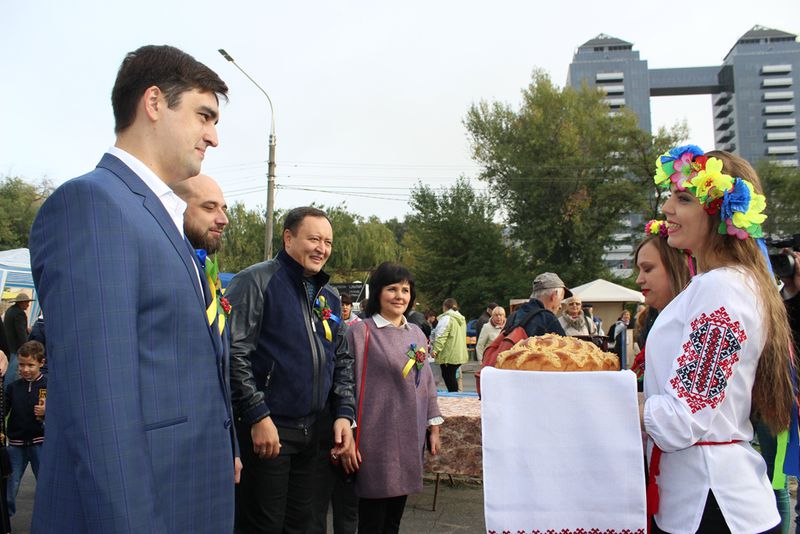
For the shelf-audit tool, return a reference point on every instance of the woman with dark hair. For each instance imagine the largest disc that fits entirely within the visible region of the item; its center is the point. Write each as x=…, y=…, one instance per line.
x=717, y=352
x=397, y=402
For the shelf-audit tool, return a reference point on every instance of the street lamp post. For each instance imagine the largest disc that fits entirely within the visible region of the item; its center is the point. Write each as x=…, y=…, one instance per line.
x=270, y=163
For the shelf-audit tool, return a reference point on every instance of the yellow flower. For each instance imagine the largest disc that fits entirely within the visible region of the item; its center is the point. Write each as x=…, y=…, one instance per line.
x=710, y=179
x=754, y=215
x=661, y=175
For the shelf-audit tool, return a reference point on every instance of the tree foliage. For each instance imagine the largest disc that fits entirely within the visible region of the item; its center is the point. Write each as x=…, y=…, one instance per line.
x=782, y=189
x=243, y=238
x=566, y=172
x=359, y=244
x=455, y=249
x=19, y=203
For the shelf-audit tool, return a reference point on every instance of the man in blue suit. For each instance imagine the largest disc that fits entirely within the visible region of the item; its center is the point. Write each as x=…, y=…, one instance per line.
x=139, y=421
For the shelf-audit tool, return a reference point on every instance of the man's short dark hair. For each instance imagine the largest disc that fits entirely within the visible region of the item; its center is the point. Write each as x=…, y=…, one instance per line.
x=386, y=274
x=346, y=299
x=32, y=349
x=170, y=69
x=295, y=218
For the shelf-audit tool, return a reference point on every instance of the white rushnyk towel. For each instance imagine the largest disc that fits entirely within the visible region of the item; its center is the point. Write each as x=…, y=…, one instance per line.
x=562, y=452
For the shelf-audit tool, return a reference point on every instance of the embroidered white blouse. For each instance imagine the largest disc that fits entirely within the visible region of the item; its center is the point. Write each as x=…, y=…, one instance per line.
x=702, y=355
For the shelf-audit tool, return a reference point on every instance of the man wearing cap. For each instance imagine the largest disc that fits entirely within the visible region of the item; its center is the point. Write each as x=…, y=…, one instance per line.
x=16, y=324
x=538, y=315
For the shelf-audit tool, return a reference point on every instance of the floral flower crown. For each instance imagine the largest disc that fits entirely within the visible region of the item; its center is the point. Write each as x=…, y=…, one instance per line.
x=734, y=198
x=656, y=227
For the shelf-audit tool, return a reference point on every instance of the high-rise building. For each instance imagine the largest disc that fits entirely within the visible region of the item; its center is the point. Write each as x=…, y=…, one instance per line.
x=754, y=92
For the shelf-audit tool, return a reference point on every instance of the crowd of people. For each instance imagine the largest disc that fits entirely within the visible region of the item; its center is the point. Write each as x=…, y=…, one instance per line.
x=171, y=406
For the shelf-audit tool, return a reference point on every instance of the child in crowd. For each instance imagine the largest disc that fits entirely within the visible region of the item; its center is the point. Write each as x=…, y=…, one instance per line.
x=25, y=407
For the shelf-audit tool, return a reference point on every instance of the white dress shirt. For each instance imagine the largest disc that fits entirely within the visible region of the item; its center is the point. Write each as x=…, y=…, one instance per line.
x=173, y=204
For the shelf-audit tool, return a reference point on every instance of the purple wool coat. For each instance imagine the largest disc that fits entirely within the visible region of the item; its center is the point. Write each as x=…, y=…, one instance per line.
x=395, y=410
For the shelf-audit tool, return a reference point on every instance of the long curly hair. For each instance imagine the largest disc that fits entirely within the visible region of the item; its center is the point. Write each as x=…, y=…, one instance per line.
x=772, y=391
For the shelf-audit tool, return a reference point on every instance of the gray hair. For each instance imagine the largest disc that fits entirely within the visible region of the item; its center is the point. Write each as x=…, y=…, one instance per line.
x=543, y=294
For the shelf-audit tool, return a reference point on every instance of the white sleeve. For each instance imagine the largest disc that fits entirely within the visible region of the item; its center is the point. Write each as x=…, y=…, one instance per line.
x=483, y=340
x=714, y=364
x=440, y=327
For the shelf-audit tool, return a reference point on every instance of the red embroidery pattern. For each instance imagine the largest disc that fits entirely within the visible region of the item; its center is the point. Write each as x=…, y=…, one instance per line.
x=571, y=531
x=706, y=365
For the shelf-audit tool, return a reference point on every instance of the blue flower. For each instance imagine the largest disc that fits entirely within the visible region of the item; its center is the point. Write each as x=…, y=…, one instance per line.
x=737, y=199
x=201, y=255
x=678, y=151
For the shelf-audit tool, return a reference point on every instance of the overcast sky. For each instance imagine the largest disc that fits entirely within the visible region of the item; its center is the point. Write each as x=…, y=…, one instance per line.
x=369, y=96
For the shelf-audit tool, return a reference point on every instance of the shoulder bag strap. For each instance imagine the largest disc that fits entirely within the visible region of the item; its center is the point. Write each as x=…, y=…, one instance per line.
x=363, y=382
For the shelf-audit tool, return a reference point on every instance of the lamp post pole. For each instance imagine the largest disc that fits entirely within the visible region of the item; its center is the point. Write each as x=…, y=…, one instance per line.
x=270, y=163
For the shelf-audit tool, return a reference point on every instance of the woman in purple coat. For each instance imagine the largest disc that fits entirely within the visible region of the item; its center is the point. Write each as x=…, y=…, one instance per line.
x=399, y=402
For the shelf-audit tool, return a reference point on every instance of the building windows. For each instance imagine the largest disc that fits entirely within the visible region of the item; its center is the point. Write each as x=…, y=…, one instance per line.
x=780, y=123
x=776, y=82
x=781, y=136
x=784, y=108
x=778, y=95
x=776, y=69
x=778, y=150
x=612, y=89
x=609, y=76
x=787, y=162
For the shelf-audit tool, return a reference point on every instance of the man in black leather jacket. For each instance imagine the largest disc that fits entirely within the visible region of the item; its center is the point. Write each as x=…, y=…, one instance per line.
x=290, y=366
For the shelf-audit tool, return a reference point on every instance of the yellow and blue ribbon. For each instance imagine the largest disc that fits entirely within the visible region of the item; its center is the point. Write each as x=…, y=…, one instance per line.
x=325, y=314
x=219, y=307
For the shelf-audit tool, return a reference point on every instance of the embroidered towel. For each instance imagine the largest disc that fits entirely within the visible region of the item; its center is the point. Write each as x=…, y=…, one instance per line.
x=562, y=452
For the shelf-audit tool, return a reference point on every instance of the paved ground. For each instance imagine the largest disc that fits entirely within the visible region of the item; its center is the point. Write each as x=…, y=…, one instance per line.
x=459, y=507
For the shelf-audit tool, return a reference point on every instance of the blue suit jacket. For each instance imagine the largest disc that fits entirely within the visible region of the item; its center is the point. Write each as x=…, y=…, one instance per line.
x=138, y=425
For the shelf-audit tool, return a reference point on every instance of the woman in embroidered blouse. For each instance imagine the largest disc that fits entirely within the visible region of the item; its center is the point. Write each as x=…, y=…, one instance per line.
x=717, y=350
x=399, y=402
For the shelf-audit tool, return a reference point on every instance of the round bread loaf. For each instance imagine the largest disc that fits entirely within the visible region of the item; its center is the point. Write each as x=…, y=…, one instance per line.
x=552, y=352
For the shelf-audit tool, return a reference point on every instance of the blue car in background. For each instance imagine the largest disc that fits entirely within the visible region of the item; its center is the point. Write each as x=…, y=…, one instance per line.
x=472, y=335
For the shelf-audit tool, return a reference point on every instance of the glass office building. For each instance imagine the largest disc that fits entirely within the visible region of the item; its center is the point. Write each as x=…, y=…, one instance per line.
x=754, y=92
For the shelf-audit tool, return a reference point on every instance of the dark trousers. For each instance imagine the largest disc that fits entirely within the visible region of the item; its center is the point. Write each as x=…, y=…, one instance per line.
x=331, y=489
x=380, y=516
x=449, y=376
x=275, y=495
x=713, y=521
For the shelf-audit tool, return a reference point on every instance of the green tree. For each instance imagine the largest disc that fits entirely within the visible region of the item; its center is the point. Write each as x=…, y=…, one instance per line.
x=782, y=189
x=359, y=245
x=562, y=167
x=19, y=203
x=640, y=154
x=455, y=249
x=243, y=239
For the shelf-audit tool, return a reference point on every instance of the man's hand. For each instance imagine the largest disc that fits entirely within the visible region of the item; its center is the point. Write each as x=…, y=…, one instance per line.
x=266, y=443
x=342, y=433
x=435, y=439
x=237, y=470
x=344, y=448
x=3, y=363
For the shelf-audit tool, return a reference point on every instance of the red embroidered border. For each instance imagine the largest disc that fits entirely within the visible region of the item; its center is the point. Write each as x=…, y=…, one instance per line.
x=706, y=365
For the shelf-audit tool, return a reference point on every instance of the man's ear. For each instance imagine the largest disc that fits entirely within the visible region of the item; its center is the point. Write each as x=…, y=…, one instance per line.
x=153, y=102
